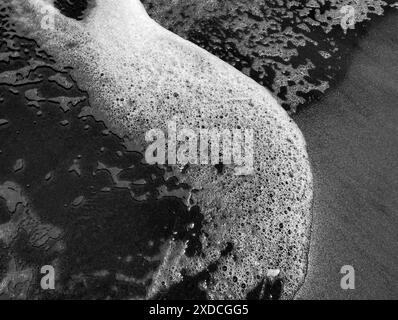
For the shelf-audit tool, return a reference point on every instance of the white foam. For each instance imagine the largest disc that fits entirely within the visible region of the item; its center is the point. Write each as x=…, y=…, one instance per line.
x=140, y=76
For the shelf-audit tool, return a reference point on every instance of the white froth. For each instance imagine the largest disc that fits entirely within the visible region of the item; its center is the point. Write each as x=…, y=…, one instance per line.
x=140, y=76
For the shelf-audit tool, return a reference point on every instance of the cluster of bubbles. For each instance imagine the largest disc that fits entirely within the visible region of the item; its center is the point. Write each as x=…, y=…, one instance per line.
x=139, y=76
x=294, y=48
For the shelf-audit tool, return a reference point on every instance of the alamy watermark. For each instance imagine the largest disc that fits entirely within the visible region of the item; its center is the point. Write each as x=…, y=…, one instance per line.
x=201, y=147
x=47, y=282
x=347, y=282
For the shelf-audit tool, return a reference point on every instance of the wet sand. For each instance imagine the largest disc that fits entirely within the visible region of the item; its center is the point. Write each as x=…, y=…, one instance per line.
x=352, y=137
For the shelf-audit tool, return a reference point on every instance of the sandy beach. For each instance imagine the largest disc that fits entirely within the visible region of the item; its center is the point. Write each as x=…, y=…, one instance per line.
x=352, y=141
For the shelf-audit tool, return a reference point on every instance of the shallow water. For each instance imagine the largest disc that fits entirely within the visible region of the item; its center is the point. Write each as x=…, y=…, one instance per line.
x=297, y=49
x=83, y=201
x=87, y=202
x=66, y=171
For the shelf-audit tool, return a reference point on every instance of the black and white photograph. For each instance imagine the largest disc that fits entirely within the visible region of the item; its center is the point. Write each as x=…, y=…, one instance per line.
x=220, y=152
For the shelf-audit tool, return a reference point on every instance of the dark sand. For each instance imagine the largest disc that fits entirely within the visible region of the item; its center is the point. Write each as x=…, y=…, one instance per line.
x=352, y=137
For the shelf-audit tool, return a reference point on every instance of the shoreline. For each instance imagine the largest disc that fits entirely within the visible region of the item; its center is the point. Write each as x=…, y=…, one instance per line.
x=351, y=138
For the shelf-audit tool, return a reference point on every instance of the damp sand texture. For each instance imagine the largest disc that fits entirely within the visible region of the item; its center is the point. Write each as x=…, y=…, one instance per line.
x=352, y=141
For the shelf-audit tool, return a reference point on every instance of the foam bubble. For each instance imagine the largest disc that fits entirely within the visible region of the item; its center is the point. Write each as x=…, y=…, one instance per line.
x=140, y=76
x=294, y=48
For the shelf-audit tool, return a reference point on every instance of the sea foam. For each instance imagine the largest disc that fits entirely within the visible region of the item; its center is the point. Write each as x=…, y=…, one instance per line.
x=139, y=76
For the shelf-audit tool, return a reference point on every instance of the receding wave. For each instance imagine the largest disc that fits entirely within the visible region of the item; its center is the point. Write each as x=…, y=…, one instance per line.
x=297, y=49
x=139, y=76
